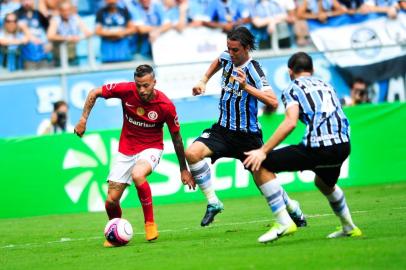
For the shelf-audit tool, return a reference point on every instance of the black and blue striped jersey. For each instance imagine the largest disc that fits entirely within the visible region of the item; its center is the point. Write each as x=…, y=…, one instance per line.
x=238, y=109
x=320, y=110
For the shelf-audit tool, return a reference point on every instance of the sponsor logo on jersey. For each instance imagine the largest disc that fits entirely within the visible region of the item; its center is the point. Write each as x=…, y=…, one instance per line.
x=139, y=123
x=129, y=105
x=176, y=121
x=140, y=111
x=153, y=115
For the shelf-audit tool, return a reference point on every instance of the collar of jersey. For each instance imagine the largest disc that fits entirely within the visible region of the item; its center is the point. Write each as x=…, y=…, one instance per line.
x=245, y=64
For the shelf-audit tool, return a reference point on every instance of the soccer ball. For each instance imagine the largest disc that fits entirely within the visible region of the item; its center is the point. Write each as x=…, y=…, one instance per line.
x=118, y=231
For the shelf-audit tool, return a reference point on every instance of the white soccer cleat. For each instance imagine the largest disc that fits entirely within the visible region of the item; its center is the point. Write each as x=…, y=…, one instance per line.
x=356, y=232
x=277, y=231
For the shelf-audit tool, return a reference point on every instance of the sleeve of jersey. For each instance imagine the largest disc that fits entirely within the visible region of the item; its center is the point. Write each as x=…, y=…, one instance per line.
x=289, y=97
x=257, y=75
x=224, y=58
x=172, y=119
x=115, y=90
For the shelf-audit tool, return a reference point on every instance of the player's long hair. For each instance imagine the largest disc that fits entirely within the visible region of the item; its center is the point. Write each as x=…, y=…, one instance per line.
x=244, y=36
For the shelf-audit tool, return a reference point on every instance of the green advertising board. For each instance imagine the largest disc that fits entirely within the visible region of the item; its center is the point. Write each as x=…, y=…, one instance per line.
x=65, y=174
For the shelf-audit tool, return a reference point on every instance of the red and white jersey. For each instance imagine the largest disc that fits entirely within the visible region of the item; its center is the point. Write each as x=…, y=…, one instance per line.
x=142, y=121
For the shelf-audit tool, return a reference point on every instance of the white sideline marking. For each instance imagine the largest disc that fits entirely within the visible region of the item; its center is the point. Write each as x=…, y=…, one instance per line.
x=65, y=239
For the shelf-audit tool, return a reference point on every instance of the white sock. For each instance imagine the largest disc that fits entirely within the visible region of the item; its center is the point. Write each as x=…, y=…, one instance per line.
x=272, y=192
x=340, y=208
x=292, y=206
x=202, y=175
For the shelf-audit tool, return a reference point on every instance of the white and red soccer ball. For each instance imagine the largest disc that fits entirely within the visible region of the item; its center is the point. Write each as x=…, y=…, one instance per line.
x=118, y=231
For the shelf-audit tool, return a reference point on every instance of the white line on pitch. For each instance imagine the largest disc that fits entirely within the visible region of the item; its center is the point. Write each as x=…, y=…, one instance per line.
x=66, y=239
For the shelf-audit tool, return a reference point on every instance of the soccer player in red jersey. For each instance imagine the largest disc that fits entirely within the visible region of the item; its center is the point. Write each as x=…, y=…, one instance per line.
x=145, y=110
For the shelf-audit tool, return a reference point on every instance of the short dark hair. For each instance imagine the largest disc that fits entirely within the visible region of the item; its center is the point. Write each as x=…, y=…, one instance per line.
x=358, y=80
x=59, y=104
x=300, y=62
x=143, y=70
x=243, y=35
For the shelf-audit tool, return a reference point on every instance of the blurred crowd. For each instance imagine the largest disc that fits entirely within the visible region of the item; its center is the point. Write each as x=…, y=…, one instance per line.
x=33, y=30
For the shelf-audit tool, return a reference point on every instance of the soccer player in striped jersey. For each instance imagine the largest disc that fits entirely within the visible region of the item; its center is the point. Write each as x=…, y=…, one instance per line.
x=237, y=130
x=324, y=148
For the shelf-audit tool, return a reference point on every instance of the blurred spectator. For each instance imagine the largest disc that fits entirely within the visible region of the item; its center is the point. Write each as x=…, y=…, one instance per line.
x=6, y=7
x=177, y=13
x=96, y=5
x=226, y=14
x=59, y=120
x=390, y=7
x=114, y=25
x=34, y=24
x=272, y=16
x=150, y=20
x=66, y=27
x=300, y=28
x=351, y=5
x=402, y=4
x=358, y=93
x=197, y=12
x=49, y=8
x=11, y=40
x=320, y=9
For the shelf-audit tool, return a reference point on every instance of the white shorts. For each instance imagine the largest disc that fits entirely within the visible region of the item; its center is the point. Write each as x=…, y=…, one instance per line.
x=123, y=164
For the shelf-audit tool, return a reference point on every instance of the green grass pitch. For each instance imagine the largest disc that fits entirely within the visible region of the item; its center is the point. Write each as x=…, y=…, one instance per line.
x=75, y=241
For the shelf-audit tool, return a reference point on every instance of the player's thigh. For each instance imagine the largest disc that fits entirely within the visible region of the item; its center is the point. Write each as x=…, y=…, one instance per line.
x=211, y=143
x=121, y=170
x=329, y=162
x=197, y=151
x=328, y=175
x=289, y=158
x=145, y=163
x=242, y=143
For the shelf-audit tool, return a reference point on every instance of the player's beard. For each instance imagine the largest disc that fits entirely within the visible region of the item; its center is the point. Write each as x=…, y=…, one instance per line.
x=147, y=98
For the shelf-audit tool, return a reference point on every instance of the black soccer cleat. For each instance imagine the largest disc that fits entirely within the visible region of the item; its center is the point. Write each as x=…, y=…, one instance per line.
x=299, y=220
x=212, y=210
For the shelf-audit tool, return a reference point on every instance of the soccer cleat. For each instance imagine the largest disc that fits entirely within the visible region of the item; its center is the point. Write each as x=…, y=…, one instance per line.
x=151, y=231
x=108, y=244
x=277, y=231
x=212, y=210
x=297, y=216
x=356, y=232
x=299, y=220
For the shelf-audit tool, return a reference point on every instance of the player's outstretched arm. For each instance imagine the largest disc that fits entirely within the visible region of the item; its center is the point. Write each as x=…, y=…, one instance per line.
x=200, y=87
x=80, y=127
x=186, y=176
x=255, y=157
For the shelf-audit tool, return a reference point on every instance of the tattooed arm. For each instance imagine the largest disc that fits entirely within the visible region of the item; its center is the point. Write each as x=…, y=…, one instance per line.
x=186, y=176
x=80, y=127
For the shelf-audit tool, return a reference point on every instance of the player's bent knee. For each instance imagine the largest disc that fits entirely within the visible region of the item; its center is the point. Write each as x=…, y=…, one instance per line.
x=110, y=201
x=138, y=177
x=326, y=187
x=193, y=155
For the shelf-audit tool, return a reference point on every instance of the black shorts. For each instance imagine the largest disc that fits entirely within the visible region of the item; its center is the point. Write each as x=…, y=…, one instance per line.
x=228, y=143
x=325, y=162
